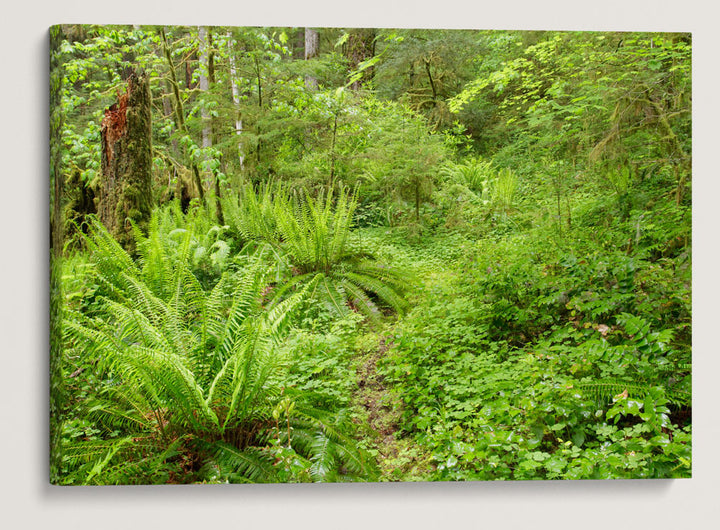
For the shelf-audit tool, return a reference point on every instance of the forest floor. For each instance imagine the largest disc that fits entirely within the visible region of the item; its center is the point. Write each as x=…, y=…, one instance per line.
x=398, y=457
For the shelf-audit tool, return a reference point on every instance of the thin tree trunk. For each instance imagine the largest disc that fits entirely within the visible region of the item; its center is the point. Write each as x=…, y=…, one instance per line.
x=213, y=126
x=298, y=51
x=685, y=166
x=204, y=83
x=417, y=199
x=179, y=111
x=169, y=112
x=187, y=66
x=126, y=160
x=332, y=149
x=236, y=101
x=432, y=83
x=558, y=195
x=258, y=77
x=312, y=45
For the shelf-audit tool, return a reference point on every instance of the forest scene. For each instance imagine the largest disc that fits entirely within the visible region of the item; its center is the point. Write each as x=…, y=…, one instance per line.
x=293, y=254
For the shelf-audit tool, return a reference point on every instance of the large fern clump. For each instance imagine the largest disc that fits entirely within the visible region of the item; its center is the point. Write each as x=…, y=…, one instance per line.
x=312, y=238
x=190, y=384
x=474, y=173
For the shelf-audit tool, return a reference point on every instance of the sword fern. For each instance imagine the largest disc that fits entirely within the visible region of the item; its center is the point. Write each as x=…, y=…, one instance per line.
x=190, y=374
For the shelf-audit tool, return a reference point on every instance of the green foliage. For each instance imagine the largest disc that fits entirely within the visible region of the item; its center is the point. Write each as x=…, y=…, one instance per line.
x=531, y=188
x=196, y=376
x=312, y=240
x=519, y=368
x=427, y=67
x=546, y=101
x=252, y=215
x=474, y=173
x=503, y=190
x=401, y=161
x=314, y=232
x=474, y=190
x=209, y=248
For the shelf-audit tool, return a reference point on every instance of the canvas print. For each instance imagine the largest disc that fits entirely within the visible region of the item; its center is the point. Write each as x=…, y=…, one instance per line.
x=293, y=254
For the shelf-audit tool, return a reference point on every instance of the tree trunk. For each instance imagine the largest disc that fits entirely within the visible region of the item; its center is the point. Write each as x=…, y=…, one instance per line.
x=236, y=100
x=360, y=47
x=207, y=60
x=417, y=199
x=258, y=77
x=179, y=112
x=332, y=148
x=204, y=83
x=298, y=47
x=312, y=45
x=126, y=161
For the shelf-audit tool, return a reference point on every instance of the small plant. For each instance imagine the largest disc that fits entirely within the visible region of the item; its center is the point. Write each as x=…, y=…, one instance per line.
x=620, y=179
x=316, y=237
x=475, y=173
x=529, y=367
x=209, y=250
x=504, y=188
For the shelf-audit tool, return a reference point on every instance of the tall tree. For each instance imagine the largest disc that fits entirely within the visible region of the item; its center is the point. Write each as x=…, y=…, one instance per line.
x=125, y=190
x=209, y=131
x=312, y=49
x=426, y=67
x=359, y=48
x=235, y=97
x=179, y=110
x=203, y=35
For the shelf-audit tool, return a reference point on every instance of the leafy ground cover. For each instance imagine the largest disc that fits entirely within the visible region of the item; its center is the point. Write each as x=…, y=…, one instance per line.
x=505, y=373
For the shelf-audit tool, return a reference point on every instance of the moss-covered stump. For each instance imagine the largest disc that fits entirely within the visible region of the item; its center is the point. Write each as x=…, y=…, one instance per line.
x=124, y=193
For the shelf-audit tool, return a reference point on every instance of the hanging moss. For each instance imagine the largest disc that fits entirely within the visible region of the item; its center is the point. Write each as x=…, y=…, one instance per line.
x=79, y=201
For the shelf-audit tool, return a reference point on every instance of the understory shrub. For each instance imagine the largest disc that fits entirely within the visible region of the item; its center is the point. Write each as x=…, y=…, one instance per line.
x=526, y=367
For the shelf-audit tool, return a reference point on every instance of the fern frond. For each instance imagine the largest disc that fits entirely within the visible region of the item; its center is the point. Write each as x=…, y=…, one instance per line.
x=339, y=451
x=335, y=295
x=144, y=465
x=173, y=356
x=604, y=391
x=245, y=302
x=279, y=317
x=251, y=464
x=379, y=288
x=112, y=415
x=361, y=301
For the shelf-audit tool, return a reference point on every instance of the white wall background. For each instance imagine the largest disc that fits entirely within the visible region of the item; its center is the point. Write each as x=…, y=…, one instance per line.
x=26, y=499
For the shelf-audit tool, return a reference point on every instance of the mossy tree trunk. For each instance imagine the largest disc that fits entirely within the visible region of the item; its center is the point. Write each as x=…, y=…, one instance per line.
x=180, y=115
x=57, y=388
x=360, y=47
x=125, y=192
x=210, y=125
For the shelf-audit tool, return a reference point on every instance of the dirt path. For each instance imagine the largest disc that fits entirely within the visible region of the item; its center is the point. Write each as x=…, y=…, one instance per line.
x=399, y=458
